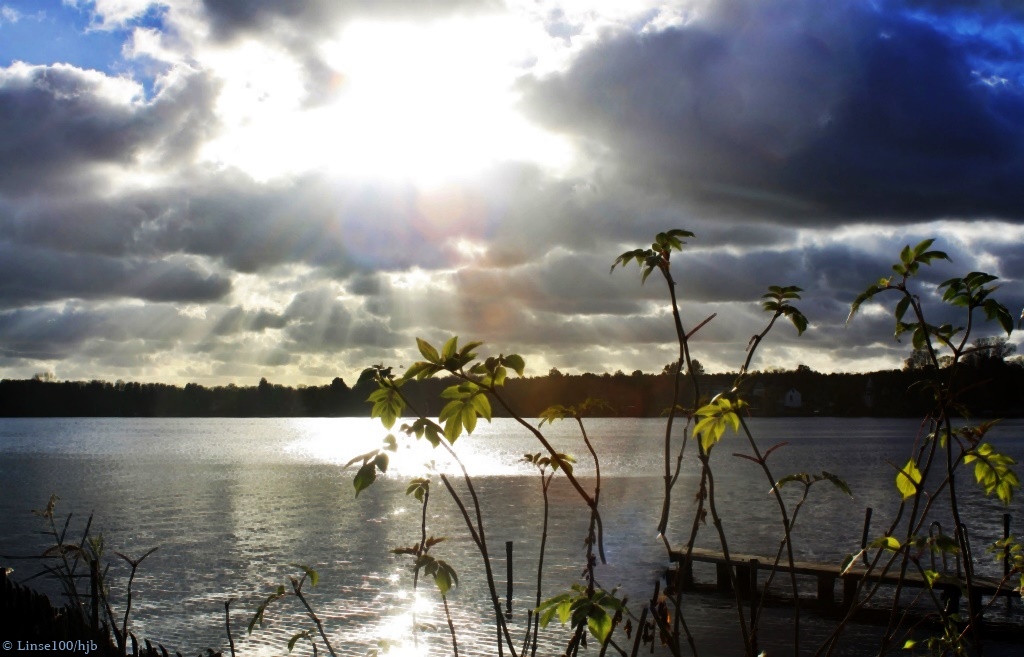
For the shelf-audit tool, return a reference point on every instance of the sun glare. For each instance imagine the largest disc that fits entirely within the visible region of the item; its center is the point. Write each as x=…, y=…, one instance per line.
x=422, y=102
x=431, y=101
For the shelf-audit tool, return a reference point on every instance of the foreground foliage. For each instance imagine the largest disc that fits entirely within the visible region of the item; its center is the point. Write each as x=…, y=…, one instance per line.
x=585, y=609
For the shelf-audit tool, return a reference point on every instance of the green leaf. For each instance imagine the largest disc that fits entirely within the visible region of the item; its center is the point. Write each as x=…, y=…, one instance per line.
x=469, y=417
x=362, y=457
x=837, y=482
x=799, y=321
x=388, y=405
x=801, y=477
x=418, y=487
x=943, y=544
x=887, y=542
x=997, y=312
x=482, y=405
x=906, y=255
x=930, y=576
x=864, y=296
x=428, y=351
x=901, y=308
x=599, y=622
x=313, y=576
x=381, y=462
x=908, y=480
x=849, y=562
x=717, y=416
x=448, y=350
x=364, y=477
x=993, y=471
x=304, y=634
x=421, y=370
x=390, y=443
x=466, y=351
x=515, y=361
x=445, y=577
x=563, y=461
x=451, y=415
x=548, y=608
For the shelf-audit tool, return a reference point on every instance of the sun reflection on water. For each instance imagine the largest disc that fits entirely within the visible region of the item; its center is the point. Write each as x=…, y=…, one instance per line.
x=339, y=440
x=397, y=638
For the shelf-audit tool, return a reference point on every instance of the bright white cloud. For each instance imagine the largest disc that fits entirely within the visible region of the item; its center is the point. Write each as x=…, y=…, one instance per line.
x=114, y=14
x=427, y=102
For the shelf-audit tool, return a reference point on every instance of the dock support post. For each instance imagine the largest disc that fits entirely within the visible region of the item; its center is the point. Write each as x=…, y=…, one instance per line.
x=849, y=591
x=722, y=579
x=826, y=591
x=687, y=566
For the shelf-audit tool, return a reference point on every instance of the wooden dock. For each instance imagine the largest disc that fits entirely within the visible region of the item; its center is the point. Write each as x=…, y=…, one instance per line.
x=747, y=568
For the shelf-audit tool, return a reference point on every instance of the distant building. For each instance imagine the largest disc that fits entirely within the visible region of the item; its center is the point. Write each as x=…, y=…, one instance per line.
x=792, y=399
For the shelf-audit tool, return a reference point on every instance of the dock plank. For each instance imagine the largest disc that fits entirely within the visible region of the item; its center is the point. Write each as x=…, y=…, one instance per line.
x=828, y=573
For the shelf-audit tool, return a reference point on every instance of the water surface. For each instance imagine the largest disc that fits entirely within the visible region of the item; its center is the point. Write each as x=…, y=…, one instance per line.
x=232, y=502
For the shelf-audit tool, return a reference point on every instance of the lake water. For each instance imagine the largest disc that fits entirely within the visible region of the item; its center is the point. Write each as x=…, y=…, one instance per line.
x=232, y=502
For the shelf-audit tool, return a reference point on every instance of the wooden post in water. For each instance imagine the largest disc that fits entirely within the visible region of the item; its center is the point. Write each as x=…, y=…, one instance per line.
x=508, y=579
x=864, y=535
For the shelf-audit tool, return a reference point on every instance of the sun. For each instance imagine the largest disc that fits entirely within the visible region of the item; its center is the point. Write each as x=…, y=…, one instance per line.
x=425, y=102
x=432, y=101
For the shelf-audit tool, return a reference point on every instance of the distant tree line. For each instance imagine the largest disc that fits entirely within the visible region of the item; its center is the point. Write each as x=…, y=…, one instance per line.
x=775, y=392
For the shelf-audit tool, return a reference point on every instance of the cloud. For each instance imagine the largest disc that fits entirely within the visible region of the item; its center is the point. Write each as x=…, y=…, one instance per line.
x=240, y=320
x=797, y=115
x=804, y=145
x=319, y=321
x=33, y=276
x=230, y=18
x=59, y=125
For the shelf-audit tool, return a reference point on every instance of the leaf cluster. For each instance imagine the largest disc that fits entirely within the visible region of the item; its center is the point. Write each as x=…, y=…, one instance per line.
x=577, y=607
x=559, y=461
x=777, y=301
x=656, y=257
x=578, y=412
x=715, y=418
x=443, y=574
x=972, y=291
x=993, y=471
x=911, y=260
x=372, y=462
x=810, y=479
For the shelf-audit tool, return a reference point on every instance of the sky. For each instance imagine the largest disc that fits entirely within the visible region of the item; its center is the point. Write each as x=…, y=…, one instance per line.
x=216, y=191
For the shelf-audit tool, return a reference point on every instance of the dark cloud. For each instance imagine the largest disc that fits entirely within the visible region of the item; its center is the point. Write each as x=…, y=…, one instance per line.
x=57, y=120
x=44, y=333
x=230, y=18
x=110, y=227
x=798, y=114
x=240, y=320
x=29, y=276
x=58, y=333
